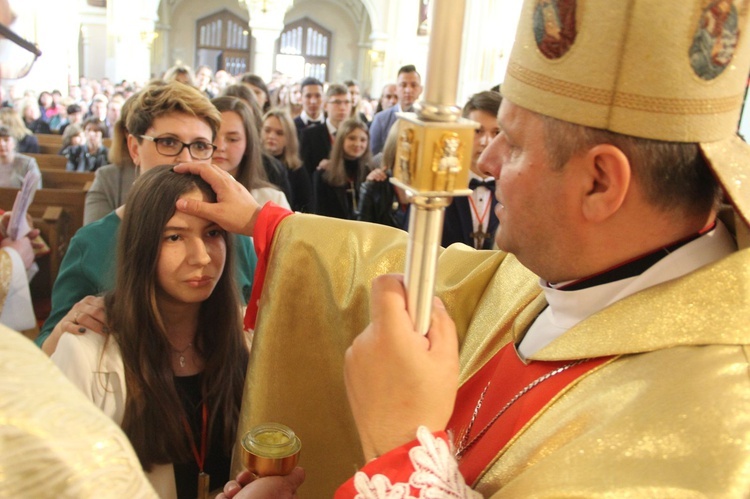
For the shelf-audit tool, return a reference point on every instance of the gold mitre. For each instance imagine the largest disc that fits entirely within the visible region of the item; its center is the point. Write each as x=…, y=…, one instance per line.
x=671, y=70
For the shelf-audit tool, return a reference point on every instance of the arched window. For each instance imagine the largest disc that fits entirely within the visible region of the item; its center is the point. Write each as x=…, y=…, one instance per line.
x=223, y=42
x=310, y=41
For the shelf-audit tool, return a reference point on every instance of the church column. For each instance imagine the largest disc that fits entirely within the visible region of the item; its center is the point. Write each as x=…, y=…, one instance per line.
x=266, y=24
x=56, y=32
x=130, y=33
x=378, y=44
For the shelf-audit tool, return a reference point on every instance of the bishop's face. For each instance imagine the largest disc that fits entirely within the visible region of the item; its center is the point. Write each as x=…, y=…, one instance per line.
x=536, y=204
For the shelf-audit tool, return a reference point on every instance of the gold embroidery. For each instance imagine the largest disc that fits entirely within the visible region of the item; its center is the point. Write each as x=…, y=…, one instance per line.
x=6, y=273
x=622, y=99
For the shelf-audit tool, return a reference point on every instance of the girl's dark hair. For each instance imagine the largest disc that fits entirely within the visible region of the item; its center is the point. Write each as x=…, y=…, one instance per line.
x=258, y=82
x=244, y=93
x=153, y=411
x=336, y=172
x=250, y=171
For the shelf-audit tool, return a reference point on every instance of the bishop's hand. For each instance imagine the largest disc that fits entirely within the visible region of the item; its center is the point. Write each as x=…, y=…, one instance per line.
x=235, y=210
x=397, y=379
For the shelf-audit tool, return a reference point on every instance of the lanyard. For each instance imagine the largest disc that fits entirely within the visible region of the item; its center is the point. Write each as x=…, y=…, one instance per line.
x=479, y=235
x=200, y=457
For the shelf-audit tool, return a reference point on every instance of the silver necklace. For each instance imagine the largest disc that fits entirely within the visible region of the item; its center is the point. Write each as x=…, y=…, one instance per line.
x=465, y=444
x=181, y=353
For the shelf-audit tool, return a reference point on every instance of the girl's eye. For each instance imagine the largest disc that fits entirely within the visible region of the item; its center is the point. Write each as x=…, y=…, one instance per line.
x=173, y=237
x=215, y=233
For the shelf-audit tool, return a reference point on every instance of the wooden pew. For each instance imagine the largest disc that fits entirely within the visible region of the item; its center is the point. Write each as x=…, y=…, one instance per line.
x=52, y=143
x=58, y=213
x=49, y=143
x=54, y=225
x=49, y=161
x=49, y=149
x=49, y=139
x=70, y=200
x=62, y=179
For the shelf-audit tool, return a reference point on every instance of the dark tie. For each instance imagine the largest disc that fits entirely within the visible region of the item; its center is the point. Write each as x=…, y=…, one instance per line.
x=489, y=183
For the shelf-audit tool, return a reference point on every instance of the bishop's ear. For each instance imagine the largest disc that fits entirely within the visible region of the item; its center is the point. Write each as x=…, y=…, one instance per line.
x=608, y=177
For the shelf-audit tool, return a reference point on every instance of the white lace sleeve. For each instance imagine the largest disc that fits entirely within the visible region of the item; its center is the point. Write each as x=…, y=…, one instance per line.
x=435, y=474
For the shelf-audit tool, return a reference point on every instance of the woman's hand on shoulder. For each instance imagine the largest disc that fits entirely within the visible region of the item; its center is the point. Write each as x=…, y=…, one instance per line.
x=377, y=175
x=88, y=314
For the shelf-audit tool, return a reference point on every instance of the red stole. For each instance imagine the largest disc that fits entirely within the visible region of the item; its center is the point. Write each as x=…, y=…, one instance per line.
x=509, y=376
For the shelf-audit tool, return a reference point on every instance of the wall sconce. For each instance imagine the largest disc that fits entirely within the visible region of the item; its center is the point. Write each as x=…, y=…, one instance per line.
x=148, y=37
x=377, y=57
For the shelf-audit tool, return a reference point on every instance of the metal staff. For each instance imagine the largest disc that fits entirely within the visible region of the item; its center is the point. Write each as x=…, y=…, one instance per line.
x=433, y=157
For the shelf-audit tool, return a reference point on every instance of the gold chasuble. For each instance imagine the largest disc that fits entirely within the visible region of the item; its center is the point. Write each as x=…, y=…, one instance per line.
x=679, y=381
x=53, y=441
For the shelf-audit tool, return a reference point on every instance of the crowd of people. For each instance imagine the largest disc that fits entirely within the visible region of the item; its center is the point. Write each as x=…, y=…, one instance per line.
x=597, y=347
x=295, y=160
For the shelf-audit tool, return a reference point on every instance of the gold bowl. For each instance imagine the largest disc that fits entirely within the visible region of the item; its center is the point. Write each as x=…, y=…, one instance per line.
x=270, y=449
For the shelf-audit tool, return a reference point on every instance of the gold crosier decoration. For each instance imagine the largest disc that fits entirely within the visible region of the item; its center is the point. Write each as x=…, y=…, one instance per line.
x=433, y=157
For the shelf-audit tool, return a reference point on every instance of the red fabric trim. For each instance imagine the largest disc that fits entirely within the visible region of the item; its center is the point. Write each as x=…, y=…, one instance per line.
x=395, y=464
x=269, y=218
x=509, y=376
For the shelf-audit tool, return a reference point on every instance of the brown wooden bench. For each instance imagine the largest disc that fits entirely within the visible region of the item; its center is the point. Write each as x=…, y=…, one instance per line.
x=54, y=225
x=71, y=200
x=62, y=179
x=49, y=149
x=49, y=138
x=48, y=161
x=53, y=148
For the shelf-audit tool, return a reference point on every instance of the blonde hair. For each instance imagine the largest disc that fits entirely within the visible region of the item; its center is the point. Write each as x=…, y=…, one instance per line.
x=290, y=156
x=12, y=119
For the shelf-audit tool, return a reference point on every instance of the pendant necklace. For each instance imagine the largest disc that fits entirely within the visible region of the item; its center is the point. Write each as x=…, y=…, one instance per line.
x=181, y=353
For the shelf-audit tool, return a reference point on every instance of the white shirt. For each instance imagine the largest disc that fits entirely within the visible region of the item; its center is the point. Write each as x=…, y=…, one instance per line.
x=306, y=119
x=568, y=308
x=479, y=201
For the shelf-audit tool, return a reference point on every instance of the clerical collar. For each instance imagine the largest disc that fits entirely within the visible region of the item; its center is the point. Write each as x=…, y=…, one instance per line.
x=566, y=308
x=630, y=268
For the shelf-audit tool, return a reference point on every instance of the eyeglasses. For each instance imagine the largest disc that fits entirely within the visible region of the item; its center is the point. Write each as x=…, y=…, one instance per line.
x=169, y=146
x=16, y=54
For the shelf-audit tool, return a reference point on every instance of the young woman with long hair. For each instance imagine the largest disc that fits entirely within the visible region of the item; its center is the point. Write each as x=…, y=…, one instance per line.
x=337, y=187
x=279, y=138
x=167, y=123
x=172, y=369
x=238, y=150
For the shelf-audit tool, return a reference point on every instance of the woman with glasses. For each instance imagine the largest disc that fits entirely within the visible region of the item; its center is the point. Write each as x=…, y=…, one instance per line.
x=167, y=124
x=113, y=181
